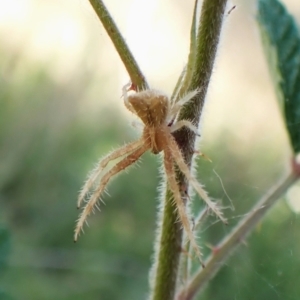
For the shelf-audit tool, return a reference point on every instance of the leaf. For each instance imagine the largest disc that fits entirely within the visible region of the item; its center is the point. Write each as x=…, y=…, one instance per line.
x=282, y=44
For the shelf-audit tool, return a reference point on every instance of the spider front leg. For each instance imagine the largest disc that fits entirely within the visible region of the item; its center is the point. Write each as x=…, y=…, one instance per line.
x=121, y=165
x=177, y=106
x=125, y=89
x=178, y=158
x=184, y=123
x=171, y=178
x=103, y=163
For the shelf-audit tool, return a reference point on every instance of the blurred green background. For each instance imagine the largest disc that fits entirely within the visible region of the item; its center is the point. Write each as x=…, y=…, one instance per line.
x=55, y=123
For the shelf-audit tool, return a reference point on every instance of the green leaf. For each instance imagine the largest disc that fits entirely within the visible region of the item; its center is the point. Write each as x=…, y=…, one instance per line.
x=282, y=44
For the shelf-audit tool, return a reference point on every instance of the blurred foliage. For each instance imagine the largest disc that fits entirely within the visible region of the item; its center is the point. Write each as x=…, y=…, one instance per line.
x=49, y=143
x=4, y=248
x=282, y=45
x=4, y=253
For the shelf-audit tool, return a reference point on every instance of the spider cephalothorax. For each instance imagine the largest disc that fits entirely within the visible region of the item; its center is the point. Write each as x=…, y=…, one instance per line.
x=158, y=115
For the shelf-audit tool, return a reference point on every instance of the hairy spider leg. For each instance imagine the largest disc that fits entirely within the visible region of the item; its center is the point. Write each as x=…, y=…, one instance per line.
x=177, y=106
x=121, y=165
x=103, y=163
x=176, y=153
x=184, y=123
x=125, y=95
x=171, y=177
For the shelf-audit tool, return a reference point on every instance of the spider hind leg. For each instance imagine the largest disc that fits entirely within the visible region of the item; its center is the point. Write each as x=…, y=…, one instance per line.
x=102, y=164
x=180, y=206
x=178, y=158
x=121, y=165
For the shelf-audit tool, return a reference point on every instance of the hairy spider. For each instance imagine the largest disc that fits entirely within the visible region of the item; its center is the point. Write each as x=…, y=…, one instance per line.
x=158, y=116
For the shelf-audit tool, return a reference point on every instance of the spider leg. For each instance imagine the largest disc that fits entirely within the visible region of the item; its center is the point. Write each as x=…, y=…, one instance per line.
x=103, y=163
x=121, y=165
x=170, y=173
x=177, y=156
x=177, y=106
x=185, y=123
x=125, y=89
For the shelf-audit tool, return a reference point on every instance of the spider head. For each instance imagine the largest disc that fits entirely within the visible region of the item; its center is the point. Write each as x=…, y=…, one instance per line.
x=151, y=106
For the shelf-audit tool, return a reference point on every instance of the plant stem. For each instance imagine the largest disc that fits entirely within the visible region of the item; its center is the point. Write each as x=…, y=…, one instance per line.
x=136, y=76
x=169, y=239
x=237, y=236
x=189, y=69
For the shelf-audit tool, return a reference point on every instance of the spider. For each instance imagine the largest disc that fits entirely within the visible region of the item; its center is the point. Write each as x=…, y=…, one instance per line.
x=158, y=116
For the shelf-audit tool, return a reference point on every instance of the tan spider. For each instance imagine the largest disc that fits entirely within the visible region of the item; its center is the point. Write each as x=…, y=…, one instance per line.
x=158, y=116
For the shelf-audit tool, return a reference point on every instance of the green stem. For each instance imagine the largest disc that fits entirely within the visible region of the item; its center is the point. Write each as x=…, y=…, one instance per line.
x=237, y=236
x=208, y=36
x=168, y=250
x=136, y=75
x=178, y=86
x=189, y=69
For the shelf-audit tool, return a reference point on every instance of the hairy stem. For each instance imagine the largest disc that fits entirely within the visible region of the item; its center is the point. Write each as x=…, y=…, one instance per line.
x=136, y=75
x=208, y=36
x=189, y=69
x=236, y=237
x=169, y=240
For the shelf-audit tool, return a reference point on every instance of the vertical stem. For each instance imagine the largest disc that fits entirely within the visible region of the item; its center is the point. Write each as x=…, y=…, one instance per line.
x=168, y=252
x=169, y=239
x=208, y=36
x=189, y=69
